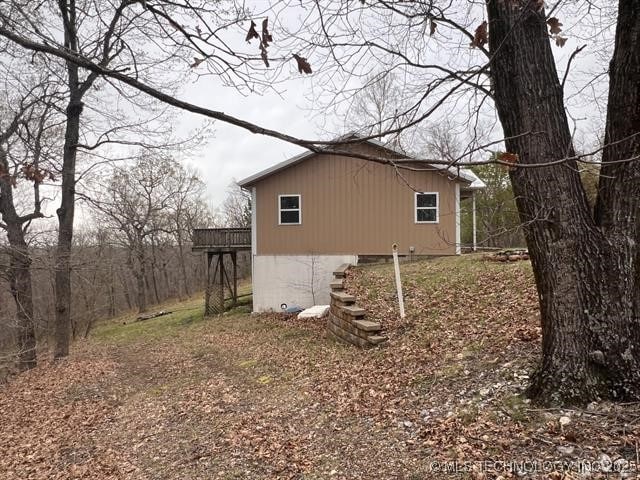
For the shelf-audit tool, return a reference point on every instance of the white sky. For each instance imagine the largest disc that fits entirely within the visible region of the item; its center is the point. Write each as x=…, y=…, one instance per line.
x=234, y=153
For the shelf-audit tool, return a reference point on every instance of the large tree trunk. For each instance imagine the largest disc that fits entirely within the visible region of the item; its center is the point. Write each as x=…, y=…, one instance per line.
x=65, y=223
x=618, y=204
x=19, y=272
x=66, y=210
x=20, y=284
x=585, y=278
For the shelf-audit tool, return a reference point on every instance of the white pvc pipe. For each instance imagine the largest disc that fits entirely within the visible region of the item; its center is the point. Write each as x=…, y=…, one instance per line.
x=473, y=200
x=396, y=266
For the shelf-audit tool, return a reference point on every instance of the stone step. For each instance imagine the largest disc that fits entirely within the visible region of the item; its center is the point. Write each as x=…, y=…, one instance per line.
x=341, y=271
x=343, y=297
x=348, y=336
x=377, y=339
x=353, y=311
x=348, y=326
x=337, y=284
x=367, y=325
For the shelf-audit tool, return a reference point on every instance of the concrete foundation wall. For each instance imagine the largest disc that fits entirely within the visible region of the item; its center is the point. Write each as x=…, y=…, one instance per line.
x=294, y=279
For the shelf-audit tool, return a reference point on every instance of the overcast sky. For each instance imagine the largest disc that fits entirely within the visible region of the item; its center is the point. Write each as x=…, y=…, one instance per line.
x=234, y=153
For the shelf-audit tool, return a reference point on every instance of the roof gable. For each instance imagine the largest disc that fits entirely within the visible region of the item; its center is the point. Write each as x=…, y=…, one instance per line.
x=457, y=173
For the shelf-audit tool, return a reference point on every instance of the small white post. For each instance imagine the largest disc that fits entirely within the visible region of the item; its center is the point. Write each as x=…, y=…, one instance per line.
x=396, y=266
x=473, y=202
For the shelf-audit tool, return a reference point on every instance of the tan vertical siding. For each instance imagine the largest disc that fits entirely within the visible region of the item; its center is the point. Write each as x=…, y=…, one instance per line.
x=351, y=206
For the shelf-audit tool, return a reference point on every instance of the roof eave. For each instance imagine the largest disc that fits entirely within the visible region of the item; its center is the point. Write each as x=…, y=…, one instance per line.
x=250, y=180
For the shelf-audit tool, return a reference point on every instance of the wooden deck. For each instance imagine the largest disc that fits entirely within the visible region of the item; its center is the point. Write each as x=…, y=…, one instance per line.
x=216, y=243
x=221, y=239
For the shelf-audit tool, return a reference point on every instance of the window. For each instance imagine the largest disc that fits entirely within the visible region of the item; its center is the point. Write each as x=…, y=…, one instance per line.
x=426, y=207
x=289, y=212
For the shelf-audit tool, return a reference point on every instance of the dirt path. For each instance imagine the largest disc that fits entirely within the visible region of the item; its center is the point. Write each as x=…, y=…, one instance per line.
x=216, y=399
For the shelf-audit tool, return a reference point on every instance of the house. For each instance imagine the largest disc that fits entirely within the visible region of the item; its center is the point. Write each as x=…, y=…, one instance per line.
x=314, y=212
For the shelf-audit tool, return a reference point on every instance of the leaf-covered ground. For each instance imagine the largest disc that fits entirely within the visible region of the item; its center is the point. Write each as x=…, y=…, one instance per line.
x=245, y=396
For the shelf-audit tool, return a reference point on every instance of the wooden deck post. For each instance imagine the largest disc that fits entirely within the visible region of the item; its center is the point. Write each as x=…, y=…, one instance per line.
x=234, y=259
x=218, y=301
x=208, y=287
x=214, y=294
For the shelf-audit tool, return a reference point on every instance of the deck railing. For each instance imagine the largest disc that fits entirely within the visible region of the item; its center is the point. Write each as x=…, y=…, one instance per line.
x=221, y=237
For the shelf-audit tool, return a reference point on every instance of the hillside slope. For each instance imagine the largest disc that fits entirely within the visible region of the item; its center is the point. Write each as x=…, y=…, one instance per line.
x=267, y=396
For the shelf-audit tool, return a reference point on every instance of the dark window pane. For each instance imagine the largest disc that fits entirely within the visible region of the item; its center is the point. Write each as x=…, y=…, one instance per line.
x=427, y=215
x=290, y=217
x=289, y=202
x=427, y=200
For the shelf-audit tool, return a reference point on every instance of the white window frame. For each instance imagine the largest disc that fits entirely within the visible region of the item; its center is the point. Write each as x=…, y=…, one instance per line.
x=416, y=208
x=299, y=209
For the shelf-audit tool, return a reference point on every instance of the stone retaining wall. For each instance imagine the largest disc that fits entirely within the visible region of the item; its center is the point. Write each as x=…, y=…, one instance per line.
x=347, y=322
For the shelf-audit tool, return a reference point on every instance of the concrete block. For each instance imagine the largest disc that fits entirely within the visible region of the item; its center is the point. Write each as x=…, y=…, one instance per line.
x=343, y=297
x=341, y=271
x=349, y=326
x=349, y=337
x=377, y=339
x=317, y=311
x=353, y=311
x=367, y=325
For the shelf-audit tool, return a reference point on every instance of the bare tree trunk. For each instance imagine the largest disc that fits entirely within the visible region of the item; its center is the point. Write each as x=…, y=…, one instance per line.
x=171, y=288
x=125, y=285
x=154, y=260
x=617, y=208
x=183, y=267
x=19, y=272
x=591, y=331
x=65, y=221
x=140, y=274
x=21, y=290
x=111, y=286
